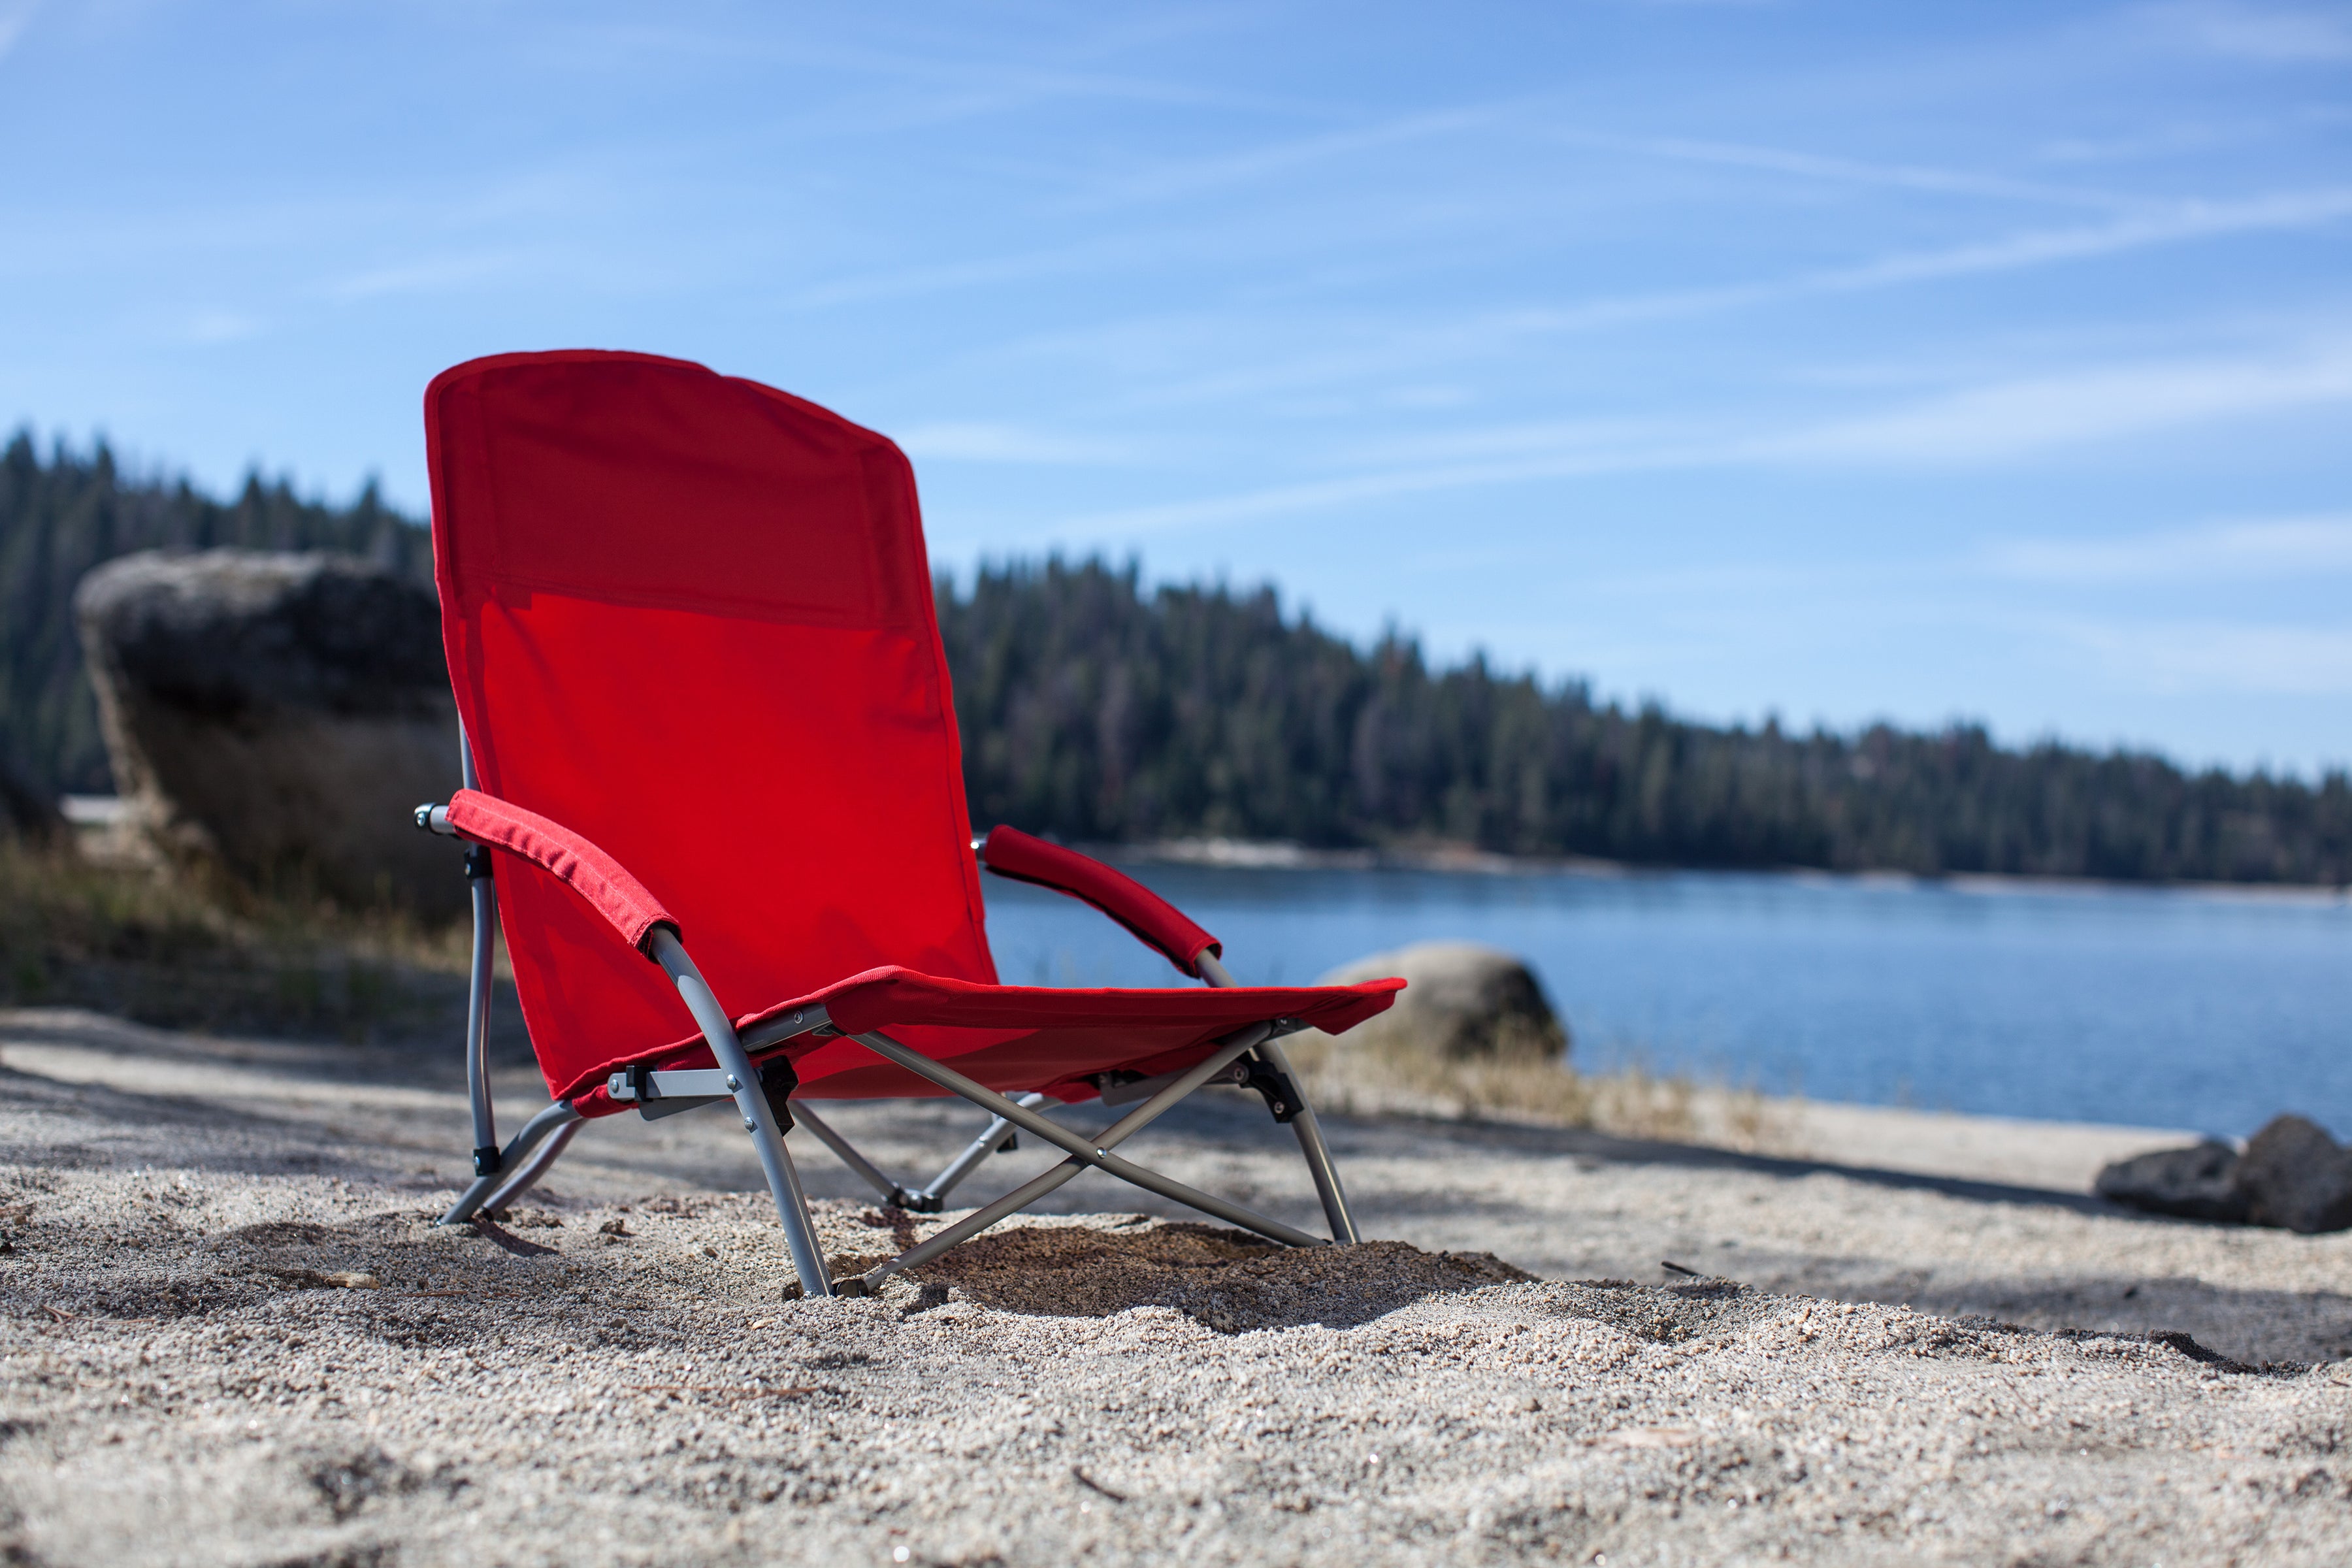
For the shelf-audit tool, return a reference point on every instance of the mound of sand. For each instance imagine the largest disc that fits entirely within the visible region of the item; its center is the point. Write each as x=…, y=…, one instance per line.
x=236, y=1337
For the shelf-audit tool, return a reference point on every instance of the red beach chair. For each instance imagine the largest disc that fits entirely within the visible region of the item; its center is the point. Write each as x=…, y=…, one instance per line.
x=688, y=620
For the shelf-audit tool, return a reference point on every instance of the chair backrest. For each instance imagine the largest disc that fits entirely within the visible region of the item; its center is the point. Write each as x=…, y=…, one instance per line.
x=690, y=618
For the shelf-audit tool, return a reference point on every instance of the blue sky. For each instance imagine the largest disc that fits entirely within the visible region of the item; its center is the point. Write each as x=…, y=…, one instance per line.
x=1834, y=360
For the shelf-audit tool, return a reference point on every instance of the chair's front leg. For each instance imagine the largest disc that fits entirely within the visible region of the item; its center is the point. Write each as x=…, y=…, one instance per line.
x=1310, y=1130
x=751, y=1100
x=1317, y=1153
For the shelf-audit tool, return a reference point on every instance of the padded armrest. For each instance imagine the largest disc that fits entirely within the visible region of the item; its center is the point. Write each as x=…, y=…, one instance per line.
x=595, y=875
x=1156, y=922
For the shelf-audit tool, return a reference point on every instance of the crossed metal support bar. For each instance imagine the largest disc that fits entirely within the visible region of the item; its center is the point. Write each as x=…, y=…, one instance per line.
x=928, y=1199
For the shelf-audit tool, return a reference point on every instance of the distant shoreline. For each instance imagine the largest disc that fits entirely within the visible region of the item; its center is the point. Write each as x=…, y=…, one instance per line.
x=1263, y=854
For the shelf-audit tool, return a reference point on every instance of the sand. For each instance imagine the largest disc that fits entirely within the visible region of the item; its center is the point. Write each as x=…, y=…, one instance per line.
x=235, y=1336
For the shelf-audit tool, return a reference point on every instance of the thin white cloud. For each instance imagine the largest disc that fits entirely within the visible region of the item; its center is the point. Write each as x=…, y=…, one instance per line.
x=1851, y=171
x=14, y=19
x=1552, y=439
x=2257, y=548
x=975, y=442
x=438, y=275
x=979, y=272
x=1261, y=163
x=2182, y=658
x=1991, y=424
x=2179, y=222
x=208, y=329
x=2273, y=35
x=2022, y=418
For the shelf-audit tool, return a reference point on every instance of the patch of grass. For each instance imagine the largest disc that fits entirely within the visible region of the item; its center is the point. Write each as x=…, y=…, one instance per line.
x=1633, y=1101
x=176, y=952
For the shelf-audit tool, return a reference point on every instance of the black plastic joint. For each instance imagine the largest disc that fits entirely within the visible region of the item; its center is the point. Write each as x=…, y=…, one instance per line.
x=1281, y=1095
x=486, y=1162
x=1011, y=1141
x=778, y=1078
x=917, y=1203
x=477, y=863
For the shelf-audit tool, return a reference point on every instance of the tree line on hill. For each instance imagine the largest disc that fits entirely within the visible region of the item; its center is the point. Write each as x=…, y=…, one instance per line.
x=1098, y=709
x=1114, y=713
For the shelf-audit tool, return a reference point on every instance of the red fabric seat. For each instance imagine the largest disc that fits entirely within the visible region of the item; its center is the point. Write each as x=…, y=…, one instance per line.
x=688, y=619
x=1012, y=1038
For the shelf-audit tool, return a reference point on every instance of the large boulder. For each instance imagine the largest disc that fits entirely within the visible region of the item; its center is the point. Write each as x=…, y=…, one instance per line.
x=2196, y=1183
x=1461, y=1002
x=278, y=715
x=2295, y=1177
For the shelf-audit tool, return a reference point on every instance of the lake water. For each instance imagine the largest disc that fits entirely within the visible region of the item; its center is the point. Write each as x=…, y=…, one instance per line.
x=2169, y=1008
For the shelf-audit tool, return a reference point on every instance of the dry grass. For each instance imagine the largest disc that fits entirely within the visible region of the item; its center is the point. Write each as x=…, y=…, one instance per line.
x=169, y=950
x=1633, y=1103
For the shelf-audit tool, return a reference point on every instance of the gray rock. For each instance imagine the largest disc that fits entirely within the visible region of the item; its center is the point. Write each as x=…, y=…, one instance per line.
x=2294, y=1176
x=1461, y=1001
x=2193, y=1183
x=278, y=715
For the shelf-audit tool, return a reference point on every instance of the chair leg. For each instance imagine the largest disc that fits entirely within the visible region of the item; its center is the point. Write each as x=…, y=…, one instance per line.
x=1310, y=1130
x=992, y=1139
x=1317, y=1153
x=516, y=1182
x=557, y=1118
x=792, y=1206
x=477, y=1011
x=751, y=1101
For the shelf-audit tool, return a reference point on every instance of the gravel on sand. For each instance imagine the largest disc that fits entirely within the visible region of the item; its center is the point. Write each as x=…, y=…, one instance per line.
x=234, y=1335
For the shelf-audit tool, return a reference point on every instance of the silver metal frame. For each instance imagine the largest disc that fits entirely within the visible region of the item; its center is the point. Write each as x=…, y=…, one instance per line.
x=499, y=1180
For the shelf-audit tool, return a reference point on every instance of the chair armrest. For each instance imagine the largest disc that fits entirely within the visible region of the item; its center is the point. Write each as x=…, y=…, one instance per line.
x=587, y=870
x=1155, y=922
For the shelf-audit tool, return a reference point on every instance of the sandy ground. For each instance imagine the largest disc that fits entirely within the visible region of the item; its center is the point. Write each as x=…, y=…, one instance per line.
x=235, y=1336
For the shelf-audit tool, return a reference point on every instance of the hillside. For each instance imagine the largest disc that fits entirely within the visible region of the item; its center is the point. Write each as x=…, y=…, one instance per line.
x=1113, y=714
x=1097, y=709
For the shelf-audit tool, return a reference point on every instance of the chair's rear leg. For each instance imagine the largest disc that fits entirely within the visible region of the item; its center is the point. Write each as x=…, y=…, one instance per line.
x=1317, y=1153
x=557, y=1118
x=484, y=894
x=991, y=1139
x=478, y=1010
x=846, y=1152
x=518, y=1182
x=925, y=1200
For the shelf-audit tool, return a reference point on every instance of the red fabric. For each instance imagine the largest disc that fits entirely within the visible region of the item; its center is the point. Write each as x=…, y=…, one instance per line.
x=1012, y=1038
x=587, y=870
x=690, y=618
x=1156, y=922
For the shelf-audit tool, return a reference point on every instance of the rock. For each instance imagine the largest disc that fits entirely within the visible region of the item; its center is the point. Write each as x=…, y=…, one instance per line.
x=2193, y=1183
x=1461, y=1001
x=278, y=715
x=26, y=813
x=2294, y=1176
